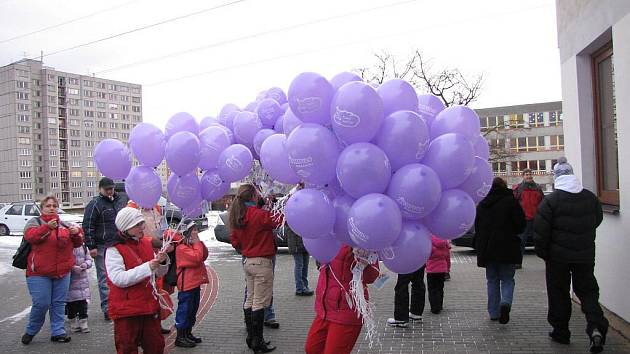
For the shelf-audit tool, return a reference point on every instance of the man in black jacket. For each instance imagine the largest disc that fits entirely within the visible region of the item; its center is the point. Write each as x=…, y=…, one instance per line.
x=565, y=238
x=100, y=231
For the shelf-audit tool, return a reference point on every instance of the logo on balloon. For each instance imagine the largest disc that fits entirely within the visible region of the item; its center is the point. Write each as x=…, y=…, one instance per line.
x=346, y=118
x=267, y=113
x=303, y=173
x=354, y=231
x=308, y=105
x=484, y=190
x=409, y=207
x=234, y=164
x=388, y=253
x=215, y=181
x=422, y=149
x=464, y=227
x=427, y=109
x=301, y=162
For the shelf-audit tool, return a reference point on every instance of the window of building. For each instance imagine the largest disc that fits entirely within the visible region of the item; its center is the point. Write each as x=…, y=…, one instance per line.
x=517, y=120
x=114, y=135
x=113, y=106
x=25, y=174
x=88, y=93
x=54, y=174
x=556, y=142
x=88, y=124
x=135, y=99
x=75, y=132
x=22, y=107
x=89, y=153
x=101, y=125
x=52, y=120
x=25, y=152
x=76, y=163
x=100, y=85
x=74, y=122
x=124, y=98
x=101, y=115
x=113, y=125
x=113, y=97
x=88, y=114
x=21, y=95
x=101, y=105
x=26, y=185
x=24, y=140
x=73, y=91
x=73, y=112
x=22, y=118
x=606, y=143
x=135, y=108
x=499, y=167
x=22, y=84
x=23, y=129
x=25, y=163
x=75, y=174
x=102, y=135
x=54, y=185
x=124, y=108
x=135, y=90
x=77, y=194
x=73, y=81
x=89, y=143
x=75, y=143
x=87, y=103
x=52, y=110
x=53, y=152
x=113, y=115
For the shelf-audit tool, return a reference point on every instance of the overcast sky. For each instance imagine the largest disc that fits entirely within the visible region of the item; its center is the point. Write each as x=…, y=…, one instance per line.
x=251, y=45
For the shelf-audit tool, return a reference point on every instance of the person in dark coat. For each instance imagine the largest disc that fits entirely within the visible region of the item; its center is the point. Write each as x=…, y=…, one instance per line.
x=564, y=236
x=300, y=258
x=500, y=220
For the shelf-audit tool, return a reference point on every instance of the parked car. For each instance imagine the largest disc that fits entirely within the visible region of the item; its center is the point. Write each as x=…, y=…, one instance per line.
x=222, y=231
x=173, y=214
x=13, y=217
x=467, y=240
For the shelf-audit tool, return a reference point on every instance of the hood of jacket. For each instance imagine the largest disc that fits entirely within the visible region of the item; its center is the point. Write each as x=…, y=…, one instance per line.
x=495, y=195
x=568, y=183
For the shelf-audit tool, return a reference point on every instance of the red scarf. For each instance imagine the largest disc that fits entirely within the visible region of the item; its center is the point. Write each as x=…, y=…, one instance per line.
x=46, y=218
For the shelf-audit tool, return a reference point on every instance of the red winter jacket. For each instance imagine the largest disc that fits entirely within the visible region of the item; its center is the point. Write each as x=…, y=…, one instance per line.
x=256, y=239
x=440, y=254
x=529, y=199
x=330, y=301
x=135, y=300
x=51, y=250
x=191, y=270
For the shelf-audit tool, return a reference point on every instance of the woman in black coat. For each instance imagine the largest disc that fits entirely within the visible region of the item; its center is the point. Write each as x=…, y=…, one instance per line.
x=500, y=219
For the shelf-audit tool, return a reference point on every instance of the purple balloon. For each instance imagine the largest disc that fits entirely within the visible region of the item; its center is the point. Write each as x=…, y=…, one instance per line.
x=207, y=122
x=275, y=159
x=144, y=186
x=310, y=95
x=193, y=211
x=212, y=141
x=324, y=249
x=452, y=157
x=374, y=222
x=404, y=136
x=212, y=186
x=284, y=106
x=279, y=126
x=246, y=125
x=229, y=119
x=482, y=149
x=183, y=153
x=310, y=213
x=416, y=189
x=290, y=122
x=112, y=159
x=148, y=144
x=357, y=113
x=228, y=132
x=411, y=250
x=235, y=162
x=251, y=107
x=478, y=184
x=397, y=95
x=260, y=138
x=363, y=168
x=183, y=191
x=429, y=106
x=225, y=111
x=456, y=119
x=277, y=94
x=453, y=216
x=343, y=78
x=313, y=153
x=342, y=205
x=181, y=122
x=268, y=111
x=332, y=189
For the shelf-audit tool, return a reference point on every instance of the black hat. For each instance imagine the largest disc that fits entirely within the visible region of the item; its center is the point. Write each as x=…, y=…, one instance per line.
x=106, y=182
x=186, y=226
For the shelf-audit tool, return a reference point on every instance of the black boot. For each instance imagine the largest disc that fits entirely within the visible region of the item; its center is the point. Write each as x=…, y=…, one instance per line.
x=248, y=324
x=259, y=345
x=182, y=341
x=191, y=337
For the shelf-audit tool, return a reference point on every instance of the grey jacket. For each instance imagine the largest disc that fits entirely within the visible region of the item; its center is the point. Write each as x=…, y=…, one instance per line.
x=294, y=241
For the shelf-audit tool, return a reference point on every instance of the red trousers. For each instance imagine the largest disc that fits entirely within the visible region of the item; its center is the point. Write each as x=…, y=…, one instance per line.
x=143, y=331
x=327, y=337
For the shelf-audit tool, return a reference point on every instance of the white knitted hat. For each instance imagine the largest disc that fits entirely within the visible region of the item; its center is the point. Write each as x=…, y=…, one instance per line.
x=127, y=218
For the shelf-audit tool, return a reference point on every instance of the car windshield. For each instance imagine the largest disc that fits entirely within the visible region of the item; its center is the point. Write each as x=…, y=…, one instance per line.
x=60, y=211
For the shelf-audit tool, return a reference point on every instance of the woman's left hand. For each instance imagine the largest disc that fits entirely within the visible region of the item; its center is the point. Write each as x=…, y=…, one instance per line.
x=169, y=249
x=73, y=230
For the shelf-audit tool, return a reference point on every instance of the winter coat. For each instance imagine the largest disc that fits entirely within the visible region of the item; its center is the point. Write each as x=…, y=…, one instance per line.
x=529, y=197
x=333, y=288
x=51, y=250
x=440, y=254
x=256, y=239
x=79, y=277
x=564, y=227
x=294, y=241
x=191, y=270
x=500, y=219
x=99, y=220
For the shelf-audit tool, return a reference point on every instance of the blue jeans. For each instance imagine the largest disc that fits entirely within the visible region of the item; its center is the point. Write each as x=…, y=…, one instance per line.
x=101, y=276
x=300, y=271
x=500, y=286
x=270, y=313
x=527, y=234
x=187, y=306
x=48, y=295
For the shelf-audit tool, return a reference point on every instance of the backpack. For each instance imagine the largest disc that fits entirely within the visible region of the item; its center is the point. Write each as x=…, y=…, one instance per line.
x=21, y=255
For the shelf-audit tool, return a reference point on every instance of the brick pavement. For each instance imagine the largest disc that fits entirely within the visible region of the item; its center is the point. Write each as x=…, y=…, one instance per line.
x=462, y=327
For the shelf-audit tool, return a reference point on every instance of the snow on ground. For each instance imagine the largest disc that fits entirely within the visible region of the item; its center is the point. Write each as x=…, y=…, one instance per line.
x=18, y=316
x=8, y=246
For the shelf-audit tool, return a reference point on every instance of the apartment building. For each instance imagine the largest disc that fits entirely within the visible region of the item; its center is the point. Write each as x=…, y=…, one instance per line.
x=524, y=136
x=50, y=122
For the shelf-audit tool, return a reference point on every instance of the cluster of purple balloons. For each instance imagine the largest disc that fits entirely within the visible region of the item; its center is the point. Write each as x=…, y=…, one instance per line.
x=384, y=167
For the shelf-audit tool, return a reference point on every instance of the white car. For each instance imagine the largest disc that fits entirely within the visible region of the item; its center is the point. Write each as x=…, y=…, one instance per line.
x=13, y=217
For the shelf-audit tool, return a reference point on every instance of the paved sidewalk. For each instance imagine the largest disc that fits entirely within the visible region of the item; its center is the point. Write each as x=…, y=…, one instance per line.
x=462, y=327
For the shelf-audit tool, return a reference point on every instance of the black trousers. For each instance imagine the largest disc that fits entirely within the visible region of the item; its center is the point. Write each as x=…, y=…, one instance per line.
x=77, y=308
x=435, y=285
x=401, y=295
x=559, y=277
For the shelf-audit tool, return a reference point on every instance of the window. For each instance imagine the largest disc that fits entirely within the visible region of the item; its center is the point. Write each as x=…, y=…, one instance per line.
x=113, y=106
x=25, y=152
x=74, y=122
x=88, y=93
x=88, y=114
x=76, y=163
x=101, y=95
x=22, y=84
x=135, y=108
x=54, y=174
x=101, y=105
x=102, y=135
x=102, y=125
x=124, y=117
x=89, y=134
x=536, y=120
x=135, y=99
x=24, y=130
x=15, y=210
x=24, y=140
x=555, y=119
x=73, y=112
x=53, y=152
x=52, y=131
x=75, y=153
x=124, y=98
x=26, y=185
x=75, y=174
x=25, y=174
x=113, y=125
x=89, y=143
x=77, y=194
x=22, y=107
x=606, y=143
x=124, y=108
x=21, y=95
x=88, y=124
x=21, y=72
x=53, y=163
x=87, y=83
x=135, y=90
x=137, y=119
x=100, y=85
x=123, y=88
x=75, y=132
x=51, y=77
x=77, y=184
x=73, y=81
x=556, y=142
x=499, y=167
x=89, y=153
x=22, y=118
x=54, y=185
x=87, y=103
x=52, y=120
x=90, y=163
x=101, y=115
x=517, y=120
x=113, y=97
x=75, y=143
x=51, y=88
x=52, y=110
x=25, y=163
x=115, y=135
x=113, y=115
x=26, y=196
x=73, y=91
x=90, y=174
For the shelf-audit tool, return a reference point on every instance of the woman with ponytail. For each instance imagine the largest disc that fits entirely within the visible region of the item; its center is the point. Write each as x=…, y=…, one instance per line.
x=251, y=234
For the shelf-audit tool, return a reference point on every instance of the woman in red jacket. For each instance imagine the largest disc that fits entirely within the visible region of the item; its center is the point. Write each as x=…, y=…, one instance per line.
x=337, y=325
x=48, y=269
x=190, y=256
x=437, y=268
x=251, y=234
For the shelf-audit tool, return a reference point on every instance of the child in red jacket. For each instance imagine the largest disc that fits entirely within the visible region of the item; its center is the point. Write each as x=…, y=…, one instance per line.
x=190, y=255
x=437, y=267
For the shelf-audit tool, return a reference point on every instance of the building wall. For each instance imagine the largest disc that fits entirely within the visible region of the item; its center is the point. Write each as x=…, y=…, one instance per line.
x=583, y=27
